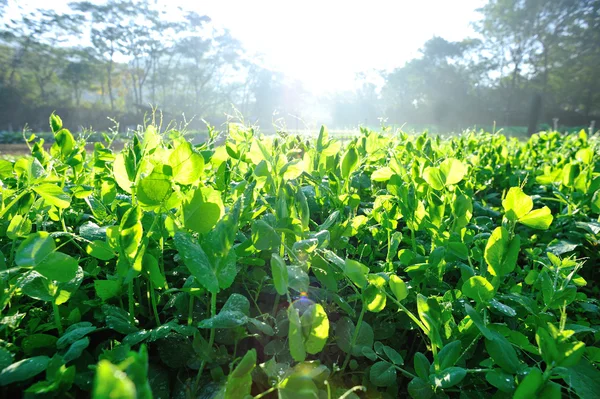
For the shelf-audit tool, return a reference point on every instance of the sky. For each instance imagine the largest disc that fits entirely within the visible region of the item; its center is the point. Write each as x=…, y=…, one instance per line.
x=325, y=43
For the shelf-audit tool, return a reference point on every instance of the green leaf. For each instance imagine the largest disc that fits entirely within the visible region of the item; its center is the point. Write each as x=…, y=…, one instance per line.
x=122, y=173
x=478, y=288
x=76, y=349
x=264, y=236
x=349, y=162
x=422, y=365
x=280, y=274
x=382, y=374
x=393, y=355
x=452, y=171
x=449, y=354
x=503, y=353
x=58, y=266
x=187, y=165
x=154, y=189
x=246, y=365
x=233, y=314
x=150, y=266
x=516, y=204
x=63, y=144
x=55, y=123
x=34, y=249
x=530, y=385
x=110, y=382
x=319, y=328
x=226, y=269
x=373, y=295
x=6, y=358
x=74, y=333
x=19, y=227
x=551, y=390
x=448, y=378
x=344, y=331
x=196, y=261
x=131, y=232
x=478, y=321
x=35, y=286
x=356, y=272
x=501, y=252
x=100, y=250
x=297, y=386
x=419, y=388
x=292, y=170
x=503, y=381
x=433, y=177
x=538, y=219
x=203, y=210
x=53, y=195
x=23, y=370
x=382, y=174
x=296, y=341
x=584, y=379
x=398, y=287
x=106, y=289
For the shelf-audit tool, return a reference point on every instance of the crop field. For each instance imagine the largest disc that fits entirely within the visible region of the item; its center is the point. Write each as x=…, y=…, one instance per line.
x=295, y=267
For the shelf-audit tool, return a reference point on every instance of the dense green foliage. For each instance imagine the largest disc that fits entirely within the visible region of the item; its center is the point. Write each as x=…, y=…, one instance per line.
x=394, y=265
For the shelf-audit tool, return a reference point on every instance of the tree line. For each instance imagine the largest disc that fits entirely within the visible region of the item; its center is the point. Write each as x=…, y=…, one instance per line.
x=532, y=62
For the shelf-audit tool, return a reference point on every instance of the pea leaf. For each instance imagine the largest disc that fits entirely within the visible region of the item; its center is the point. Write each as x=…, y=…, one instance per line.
x=452, y=171
x=356, y=272
x=516, y=204
x=319, y=328
x=111, y=382
x=264, y=236
x=196, y=261
x=203, y=210
x=382, y=374
x=280, y=274
x=478, y=288
x=53, y=195
x=34, y=249
x=448, y=378
x=106, y=289
x=296, y=341
x=23, y=370
x=187, y=165
x=58, y=266
x=398, y=287
x=530, y=385
x=538, y=219
x=501, y=252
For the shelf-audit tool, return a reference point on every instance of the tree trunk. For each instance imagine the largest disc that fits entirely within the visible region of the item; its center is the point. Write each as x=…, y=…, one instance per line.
x=109, y=68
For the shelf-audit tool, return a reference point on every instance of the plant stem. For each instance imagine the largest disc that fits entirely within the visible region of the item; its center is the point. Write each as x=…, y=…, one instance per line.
x=408, y=312
x=351, y=390
x=268, y=391
x=13, y=202
x=153, y=301
x=190, y=310
x=276, y=305
x=354, y=336
x=211, y=339
x=57, y=318
x=130, y=300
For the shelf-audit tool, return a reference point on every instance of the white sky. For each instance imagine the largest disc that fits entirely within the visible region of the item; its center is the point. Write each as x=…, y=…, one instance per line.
x=324, y=43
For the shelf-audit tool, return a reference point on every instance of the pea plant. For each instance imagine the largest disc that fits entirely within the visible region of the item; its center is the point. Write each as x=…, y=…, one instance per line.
x=389, y=266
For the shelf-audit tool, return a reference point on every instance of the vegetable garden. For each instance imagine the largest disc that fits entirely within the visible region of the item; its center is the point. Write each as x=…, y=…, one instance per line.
x=295, y=267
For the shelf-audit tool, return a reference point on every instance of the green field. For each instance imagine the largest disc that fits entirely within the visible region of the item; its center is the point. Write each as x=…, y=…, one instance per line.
x=387, y=265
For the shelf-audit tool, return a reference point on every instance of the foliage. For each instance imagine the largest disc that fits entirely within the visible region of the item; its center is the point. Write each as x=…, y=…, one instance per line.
x=396, y=265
